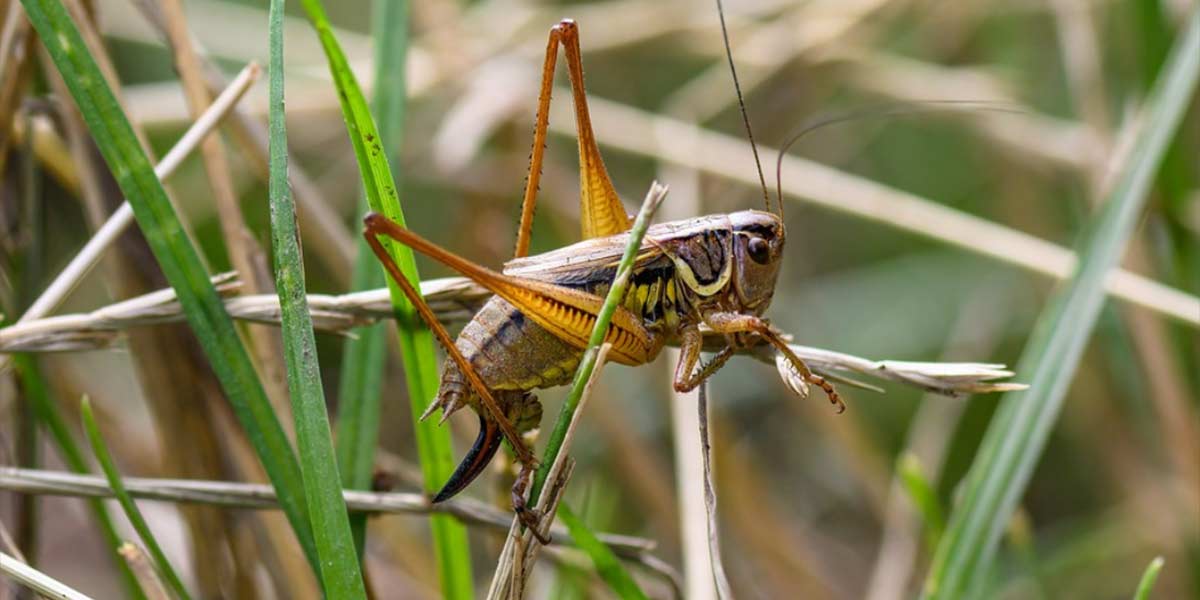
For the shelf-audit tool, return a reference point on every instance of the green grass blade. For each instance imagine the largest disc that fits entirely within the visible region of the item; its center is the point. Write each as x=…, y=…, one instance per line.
x=127, y=504
x=175, y=255
x=1146, y=585
x=416, y=342
x=340, y=573
x=923, y=496
x=607, y=564
x=47, y=412
x=363, y=357
x=609, y=567
x=1020, y=428
x=588, y=362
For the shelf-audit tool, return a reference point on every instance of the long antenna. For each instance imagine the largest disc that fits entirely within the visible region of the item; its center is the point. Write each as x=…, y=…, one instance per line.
x=742, y=105
x=895, y=109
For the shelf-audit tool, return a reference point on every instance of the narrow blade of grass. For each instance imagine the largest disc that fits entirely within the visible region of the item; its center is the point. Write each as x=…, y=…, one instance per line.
x=610, y=568
x=100, y=450
x=1018, y=433
x=340, y=573
x=1146, y=585
x=175, y=255
x=583, y=372
x=363, y=357
x=923, y=496
x=47, y=412
x=607, y=565
x=416, y=342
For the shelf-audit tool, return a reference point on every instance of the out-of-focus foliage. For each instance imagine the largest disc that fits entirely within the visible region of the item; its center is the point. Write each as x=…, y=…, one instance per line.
x=810, y=501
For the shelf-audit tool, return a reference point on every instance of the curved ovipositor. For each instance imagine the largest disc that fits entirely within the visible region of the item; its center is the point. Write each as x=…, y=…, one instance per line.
x=486, y=444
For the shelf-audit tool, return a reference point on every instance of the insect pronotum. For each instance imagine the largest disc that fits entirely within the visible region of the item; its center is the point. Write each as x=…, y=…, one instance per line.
x=716, y=270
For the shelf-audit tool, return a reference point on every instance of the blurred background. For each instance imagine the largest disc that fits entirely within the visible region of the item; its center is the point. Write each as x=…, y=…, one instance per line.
x=809, y=501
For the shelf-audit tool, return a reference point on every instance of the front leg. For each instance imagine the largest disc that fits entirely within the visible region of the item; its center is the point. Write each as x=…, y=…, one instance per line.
x=686, y=376
x=733, y=323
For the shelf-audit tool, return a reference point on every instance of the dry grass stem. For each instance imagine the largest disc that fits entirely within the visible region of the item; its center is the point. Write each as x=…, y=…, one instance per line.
x=261, y=496
x=454, y=300
x=16, y=45
x=36, y=580
x=245, y=253
x=720, y=579
x=91, y=252
x=763, y=52
x=321, y=226
x=49, y=148
x=9, y=544
x=147, y=577
x=1034, y=138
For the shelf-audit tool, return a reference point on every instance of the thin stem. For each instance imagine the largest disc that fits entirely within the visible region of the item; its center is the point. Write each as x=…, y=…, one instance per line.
x=91, y=252
x=37, y=580
x=100, y=450
x=255, y=496
x=615, y=295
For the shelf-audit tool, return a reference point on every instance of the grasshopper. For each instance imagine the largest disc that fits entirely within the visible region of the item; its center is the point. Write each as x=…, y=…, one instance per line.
x=718, y=271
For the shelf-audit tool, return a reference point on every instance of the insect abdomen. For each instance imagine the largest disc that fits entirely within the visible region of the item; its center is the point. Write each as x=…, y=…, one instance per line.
x=510, y=352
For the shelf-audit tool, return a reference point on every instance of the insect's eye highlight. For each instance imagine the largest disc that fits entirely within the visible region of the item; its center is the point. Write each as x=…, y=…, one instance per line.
x=759, y=249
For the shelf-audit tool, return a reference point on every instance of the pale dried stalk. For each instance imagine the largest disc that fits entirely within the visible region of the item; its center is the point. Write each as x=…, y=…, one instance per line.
x=9, y=544
x=766, y=50
x=15, y=47
x=244, y=251
x=262, y=496
x=454, y=299
x=151, y=584
x=36, y=580
x=91, y=252
x=687, y=503
x=720, y=579
x=1035, y=138
x=49, y=148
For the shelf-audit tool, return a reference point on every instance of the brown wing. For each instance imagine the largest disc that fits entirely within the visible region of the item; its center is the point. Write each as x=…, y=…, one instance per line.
x=599, y=254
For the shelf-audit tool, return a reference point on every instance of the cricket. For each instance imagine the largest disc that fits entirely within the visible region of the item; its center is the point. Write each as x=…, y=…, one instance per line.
x=718, y=271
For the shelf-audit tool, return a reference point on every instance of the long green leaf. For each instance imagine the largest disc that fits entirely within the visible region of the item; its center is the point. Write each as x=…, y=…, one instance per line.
x=416, y=342
x=610, y=569
x=923, y=496
x=607, y=564
x=175, y=255
x=363, y=357
x=587, y=363
x=46, y=410
x=100, y=450
x=1146, y=584
x=340, y=573
x=1018, y=433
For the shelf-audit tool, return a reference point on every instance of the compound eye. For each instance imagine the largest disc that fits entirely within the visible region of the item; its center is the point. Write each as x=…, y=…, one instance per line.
x=759, y=249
